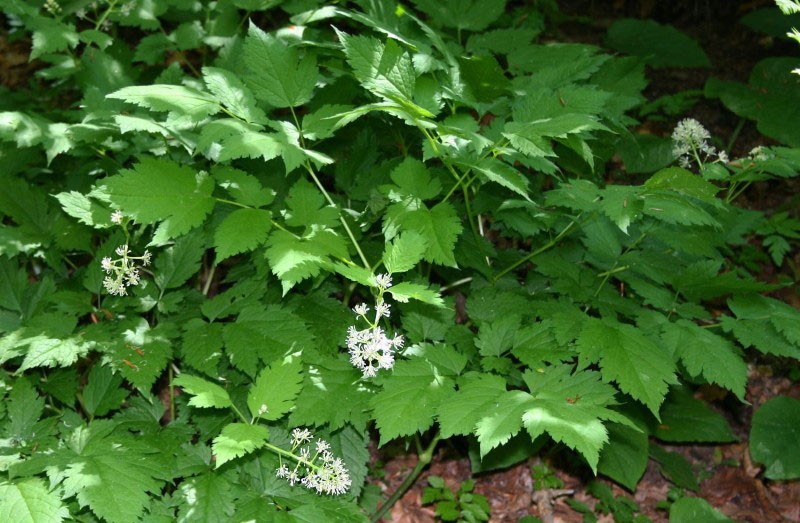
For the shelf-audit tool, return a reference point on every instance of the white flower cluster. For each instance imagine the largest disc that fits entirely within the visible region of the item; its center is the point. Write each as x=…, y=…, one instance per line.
x=122, y=272
x=371, y=349
x=690, y=144
x=321, y=471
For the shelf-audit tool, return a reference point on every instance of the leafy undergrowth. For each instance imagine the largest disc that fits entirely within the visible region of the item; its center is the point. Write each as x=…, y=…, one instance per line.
x=251, y=250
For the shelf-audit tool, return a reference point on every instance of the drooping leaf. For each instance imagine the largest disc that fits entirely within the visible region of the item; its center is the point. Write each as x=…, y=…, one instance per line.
x=233, y=94
x=384, y=69
x=775, y=436
x=238, y=439
x=204, y=393
x=173, y=98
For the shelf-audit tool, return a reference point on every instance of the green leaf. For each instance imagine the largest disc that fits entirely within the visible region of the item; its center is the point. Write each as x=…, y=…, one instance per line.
x=328, y=397
x=204, y=393
x=249, y=144
x=706, y=354
x=405, y=291
x=409, y=399
x=460, y=414
x=690, y=510
x=686, y=419
x=173, y=98
x=404, y=252
x=86, y=211
x=472, y=15
x=624, y=458
x=782, y=316
x=497, y=337
x=202, y=345
x=386, y=70
x=103, y=391
x=440, y=226
x=161, y=190
x=675, y=467
x=661, y=45
x=25, y=408
x=684, y=182
x=293, y=259
x=243, y=188
x=233, y=94
x=503, y=174
x=114, y=476
x=207, y=498
x=775, y=437
x=505, y=422
x=640, y=367
x=30, y=501
x=278, y=74
x=236, y=440
x=307, y=207
x=276, y=388
x=242, y=230
x=50, y=36
x=175, y=265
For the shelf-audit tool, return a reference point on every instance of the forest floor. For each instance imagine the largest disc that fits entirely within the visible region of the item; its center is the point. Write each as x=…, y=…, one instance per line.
x=727, y=477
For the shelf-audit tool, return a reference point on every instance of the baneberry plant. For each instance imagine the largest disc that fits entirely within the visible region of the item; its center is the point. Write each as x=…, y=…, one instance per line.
x=198, y=198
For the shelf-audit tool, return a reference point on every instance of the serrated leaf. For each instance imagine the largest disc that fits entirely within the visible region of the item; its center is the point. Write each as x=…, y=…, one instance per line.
x=250, y=144
x=244, y=188
x=686, y=419
x=661, y=45
x=460, y=414
x=624, y=458
x=278, y=74
x=202, y=345
x=30, y=501
x=328, y=397
x=404, y=252
x=775, y=437
x=161, y=190
x=783, y=317
x=440, y=226
x=207, y=498
x=103, y=391
x=704, y=353
x=179, y=262
x=640, y=367
x=503, y=174
x=675, y=467
x=293, y=259
x=307, y=206
x=113, y=475
x=410, y=399
x=405, y=291
x=496, y=429
x=385, y=70
x=241, y=231
x=276, y=388
x=45, y=351
x=236, y=440
x=173, y=98
x=83, y=209
x=233, y=94
x=472, y=15
x=204, y=393
x=688, y=510
x=684, y=182
x=51, y=35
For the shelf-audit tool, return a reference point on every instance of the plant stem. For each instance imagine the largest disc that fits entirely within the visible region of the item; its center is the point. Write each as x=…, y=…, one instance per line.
x=552, y=243
x=425, y=458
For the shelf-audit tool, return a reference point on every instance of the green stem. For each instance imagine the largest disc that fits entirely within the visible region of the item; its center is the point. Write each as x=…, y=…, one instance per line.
x=549, y=245
x=171, y=394
x=425, y=457
x=735, y=135
x=318, y=183
x=209, y=279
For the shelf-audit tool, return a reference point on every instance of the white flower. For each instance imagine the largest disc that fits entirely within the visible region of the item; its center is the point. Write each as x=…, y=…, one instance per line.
x=107, y=264
x=300, y=436
x=382, y=309
x=361, y=309
x=383, y=281
x=122, y=272
x=116, y=217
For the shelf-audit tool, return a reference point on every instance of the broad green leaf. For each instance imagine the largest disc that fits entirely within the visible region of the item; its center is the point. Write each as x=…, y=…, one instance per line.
x=51, y=35
x=690, y=510
x=293, y=259
x=504, y=420
x=204, y=393
x=675, y=467
x=244, y=188
x=404, y=252
x=242, y=230
x=639, y=366
x=684, y=182
x=329, y=397
x=405, y=291
x=384, y=69
x=440, y=226
x=278, y=74
x=686, y=419
x=661, y=45
x=30, y=501
x=236, y=440
x=201, y=346
x=233, y=94
x=503, y=174
x=103, y=391
x=175, y=265
x=24, y=408
x=173, y=98
x=250, y=144
x=624, y=458
x=206, y=498
x=46, y=351
x=143, y=352
x=161, y=190
x=497, y=337
x=307, y=206
x=782, y=316
x=409, y=399
x=276, y=388
x=413, y=179
x=460, y=414
x=84, y=209
x=471, y=15
x=114, y=476
x=706, y=354
x=775, y=437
